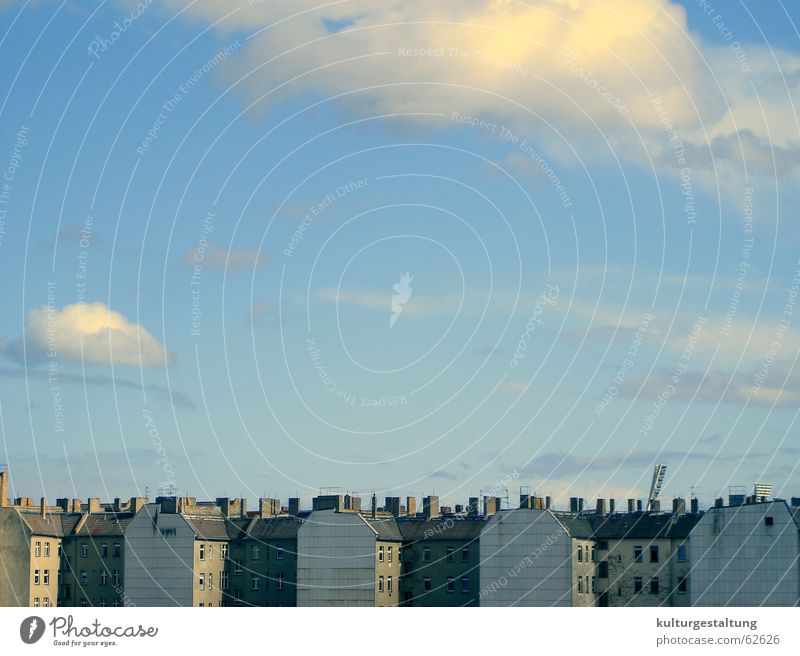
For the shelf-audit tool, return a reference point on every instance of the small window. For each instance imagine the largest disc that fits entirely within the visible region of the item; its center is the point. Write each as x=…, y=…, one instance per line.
x=84, y=550
x=389, y=553
x=380, y=584
x=465, y=586
x=37, y=548
x=201, y=585
x=103, y=578
x=117, y=550
x=465, y=554
x=46, y=602
x=46, y=577
x=210, y=553
x=280, y=581
x=380, y=554
x=594, y=560
x=36, y=602
x=682, y=553
x=84, y=577
x=654, y=586
x=594, y=584
x=389, y=584
x=450, y=551
x=637, y=554
x=104, y=550
x=426, y=584
x=115, y=578
x=223, y=551
x=683, y=585
x=451, y=584
x=210, y=581
x=769, y=521
x=115, y=603
x=256, y=583
x=637, y=584
x=580, y=584
x=202, y=552
x=426, y=554
x=653, y=554
x=256, y=552
x=580, y=553
x=223, y=580
x=586, y=584
x=279, y=553
x=237, y=567
x=84, y=603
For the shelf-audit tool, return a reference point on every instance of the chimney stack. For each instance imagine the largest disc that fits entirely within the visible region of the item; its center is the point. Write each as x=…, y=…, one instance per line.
x=580, y=505
x=679, y=506
x=695, y=506
x=600, y=508
x=548, y=502
x=612, y=506
x=638, y=505
x=94, y=504
x=411, y=506
x=631, y=505
x=43, y=507
x=3, y=486
x=573, y=504
x=374, y=511
x=76, y=505
x=430, y=506
x=294, y=505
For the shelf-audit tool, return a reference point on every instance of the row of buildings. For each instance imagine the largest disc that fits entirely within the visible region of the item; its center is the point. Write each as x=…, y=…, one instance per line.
x=177, y=551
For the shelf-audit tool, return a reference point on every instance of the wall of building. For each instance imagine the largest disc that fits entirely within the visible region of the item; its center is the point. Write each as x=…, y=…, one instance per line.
x=274, y=564
x=389, y=569
x=336, y=561
x=209, y=563
x=526, y=560
x=159, y=557
x=624, y=572
x=14, y=560
x=584, y=573
x=739, y=560
x=439, y=560
x=103, y=583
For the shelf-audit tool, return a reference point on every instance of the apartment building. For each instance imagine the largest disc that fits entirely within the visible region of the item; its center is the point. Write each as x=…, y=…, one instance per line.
x=535, y=558
x=745, y=555
x=440, y=561
x=346, y=559
x=642, y=559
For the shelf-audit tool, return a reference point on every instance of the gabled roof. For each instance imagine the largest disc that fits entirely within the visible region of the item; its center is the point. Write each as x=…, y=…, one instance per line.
x=416, y=530
x=640, y=526
x=275, y=528
x=385, y=529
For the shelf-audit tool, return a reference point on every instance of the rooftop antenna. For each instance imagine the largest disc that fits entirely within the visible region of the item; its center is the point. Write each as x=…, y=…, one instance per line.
x=659, y=471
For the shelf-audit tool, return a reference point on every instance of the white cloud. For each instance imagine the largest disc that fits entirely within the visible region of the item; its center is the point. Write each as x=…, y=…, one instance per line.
x=92, y=333
x=215, y=257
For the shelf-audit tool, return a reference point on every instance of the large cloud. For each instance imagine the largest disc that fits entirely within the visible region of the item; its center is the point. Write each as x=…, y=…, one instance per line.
x=508, y=61
x=91, y=333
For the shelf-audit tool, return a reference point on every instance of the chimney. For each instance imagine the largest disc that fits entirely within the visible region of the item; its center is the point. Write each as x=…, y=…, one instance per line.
x=374, y=511
x=430, y=506
x=411, y=506
x=600, y=508
x=638, y=505
x=76, y=505
x=580, y=505
x=294, y=505
x=524, y=500
x=268, y=507
x=631, y=505
x=472, y=507
x=679, y=506
x=695, y=506
x=718, y=503
x=3, y=486
x=43, y=507
x=63, y=504
x=548, y=502
x=136, y=504
x=795, y=502
x=655, y=506
x=490, y=506
x=392, y=504
x=94, y=504
x=612, y=506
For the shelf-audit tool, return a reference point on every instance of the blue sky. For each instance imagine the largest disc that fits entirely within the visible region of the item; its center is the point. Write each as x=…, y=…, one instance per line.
x=219, y=200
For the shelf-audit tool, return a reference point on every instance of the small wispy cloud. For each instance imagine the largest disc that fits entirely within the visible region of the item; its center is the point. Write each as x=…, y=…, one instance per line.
x=217, y=257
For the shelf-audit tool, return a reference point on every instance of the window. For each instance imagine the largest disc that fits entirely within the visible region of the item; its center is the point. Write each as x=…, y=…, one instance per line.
x=202, y=604
x=594, y=560
x=426, y=584
x=465, y=584
x=380, y=554
x=202, y=552
x=84, y=577
x=769, y=521
x=255, y=584
x=46, y=577
x=68, y=591
x=653, y=554
x=637, y=554
x=36, y=577
x=103, y=578
x=637, y=584
x=237, y=567
x=580, y=584
x=84, y=603
x=683, y=585
x=223, y=580
x=654, y=587
x=256, y=552
x=104, y=550
x=115, y=577
x=60, y=550
x=451, y=584
x=580, y=553
x=210, y=553
x=36, y=602
x=46, y=602
x=682, y=553
x=426, y=554
x=201, y=585
x=380, y=584
x=117, y=550
x=84, y=550
x=279, y=553
x=37, y=548
x=389, y=584
x=103, y=602
x=594, y=584
x=280, y=581
x=465, y=554
x=586, y=584
x=115, y=603
x=210, y=581
x=602, y=569
x=450, y=551
x=223, y=551
x=389, y=550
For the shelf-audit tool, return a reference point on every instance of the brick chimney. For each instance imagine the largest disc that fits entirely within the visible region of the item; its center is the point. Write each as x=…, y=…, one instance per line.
x=43, y=506
x=3, y=488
